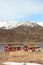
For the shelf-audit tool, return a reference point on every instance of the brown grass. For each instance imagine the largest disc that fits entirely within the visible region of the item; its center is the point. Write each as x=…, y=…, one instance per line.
x=22, y=56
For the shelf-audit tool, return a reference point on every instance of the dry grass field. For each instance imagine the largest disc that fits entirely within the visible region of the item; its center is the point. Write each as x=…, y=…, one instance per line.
x=21, y=56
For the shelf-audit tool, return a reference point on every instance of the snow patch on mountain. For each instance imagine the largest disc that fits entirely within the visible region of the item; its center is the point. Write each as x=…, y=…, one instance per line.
x=40, y=23
x=8, y=24
x=14, y=24
x=27, y=23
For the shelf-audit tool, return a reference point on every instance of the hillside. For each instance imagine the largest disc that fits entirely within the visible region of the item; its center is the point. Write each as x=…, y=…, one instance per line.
x=24, y=31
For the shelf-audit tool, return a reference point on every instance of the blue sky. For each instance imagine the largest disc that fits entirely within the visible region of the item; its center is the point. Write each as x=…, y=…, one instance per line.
x=21, y=10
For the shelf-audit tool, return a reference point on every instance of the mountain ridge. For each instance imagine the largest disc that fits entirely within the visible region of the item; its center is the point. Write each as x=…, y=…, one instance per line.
x=14, y=24
x=23, y=32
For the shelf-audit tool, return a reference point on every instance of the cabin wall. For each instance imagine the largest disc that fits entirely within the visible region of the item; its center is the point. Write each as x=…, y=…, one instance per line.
x=12, y=48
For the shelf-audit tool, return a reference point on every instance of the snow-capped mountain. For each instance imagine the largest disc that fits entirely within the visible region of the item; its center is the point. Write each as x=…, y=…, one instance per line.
x=11, y=31
x=14, y=24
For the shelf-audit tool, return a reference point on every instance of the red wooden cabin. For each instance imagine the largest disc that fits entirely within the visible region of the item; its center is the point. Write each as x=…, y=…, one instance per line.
x=12, y=47
x=27, y=48
x=32, y=48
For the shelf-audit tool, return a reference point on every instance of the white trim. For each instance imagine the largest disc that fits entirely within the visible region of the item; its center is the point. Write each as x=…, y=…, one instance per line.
x=25, y=44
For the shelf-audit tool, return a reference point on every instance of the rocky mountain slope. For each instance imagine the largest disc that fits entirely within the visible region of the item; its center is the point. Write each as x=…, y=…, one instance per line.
x=21, y=32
